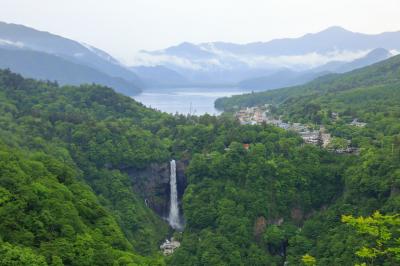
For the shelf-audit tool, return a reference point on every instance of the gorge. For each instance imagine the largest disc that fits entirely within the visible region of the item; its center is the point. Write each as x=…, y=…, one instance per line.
x=153, y=185
x=199, y=133
x=85, y=190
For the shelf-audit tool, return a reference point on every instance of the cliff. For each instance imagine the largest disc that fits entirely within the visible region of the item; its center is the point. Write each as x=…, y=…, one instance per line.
x=152, y=184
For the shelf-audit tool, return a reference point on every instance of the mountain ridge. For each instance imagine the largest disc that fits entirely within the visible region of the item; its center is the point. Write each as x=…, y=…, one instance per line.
x=43, y=66
x=333, y=30
x=227, y=62
x=42, y=41
x=375, y=74
x=287, y=77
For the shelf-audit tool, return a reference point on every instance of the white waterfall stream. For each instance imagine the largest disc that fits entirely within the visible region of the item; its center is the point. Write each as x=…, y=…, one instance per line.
x=173, y=219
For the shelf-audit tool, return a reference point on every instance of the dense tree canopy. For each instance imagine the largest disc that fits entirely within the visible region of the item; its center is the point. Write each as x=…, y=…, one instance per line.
x=370, y=180
x=66, y=197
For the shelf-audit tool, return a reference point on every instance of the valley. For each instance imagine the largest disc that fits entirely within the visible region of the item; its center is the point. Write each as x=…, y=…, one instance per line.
x=284, y=192
x=197, y=153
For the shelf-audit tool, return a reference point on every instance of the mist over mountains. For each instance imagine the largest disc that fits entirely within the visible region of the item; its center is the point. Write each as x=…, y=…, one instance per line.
x=253, y=66
x=222, y=62
x=51, y=55
x=287, y=77
x=376, y=55
x=159, y=76
x=44, y=66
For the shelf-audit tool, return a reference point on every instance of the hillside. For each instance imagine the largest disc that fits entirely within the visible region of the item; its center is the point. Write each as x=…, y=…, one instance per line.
x=56, y=204
x=372, y=57
x=45, y=66
x=74, y=162
x=28, y=39
x=382, y=73
x=370, y=95
x=289, y=78
x=87, y=140
x=280, y=79
x=159, y=76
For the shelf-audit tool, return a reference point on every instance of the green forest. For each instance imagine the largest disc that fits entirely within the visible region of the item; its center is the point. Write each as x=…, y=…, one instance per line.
x=66, y=197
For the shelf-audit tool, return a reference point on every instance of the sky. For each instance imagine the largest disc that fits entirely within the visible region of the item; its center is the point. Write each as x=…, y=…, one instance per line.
x=124, y=27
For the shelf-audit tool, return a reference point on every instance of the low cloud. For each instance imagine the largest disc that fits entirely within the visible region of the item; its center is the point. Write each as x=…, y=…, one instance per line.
x=147, y=59
x=152, y=59
x=224, y=60
x=11, y=43
x=394, y=52
x=305, y=61
x=308, y=60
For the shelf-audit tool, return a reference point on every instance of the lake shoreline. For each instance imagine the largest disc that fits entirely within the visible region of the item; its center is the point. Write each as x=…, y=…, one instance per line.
x=193, y=100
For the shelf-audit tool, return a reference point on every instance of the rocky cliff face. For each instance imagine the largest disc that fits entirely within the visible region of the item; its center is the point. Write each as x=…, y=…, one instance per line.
x=152, y=183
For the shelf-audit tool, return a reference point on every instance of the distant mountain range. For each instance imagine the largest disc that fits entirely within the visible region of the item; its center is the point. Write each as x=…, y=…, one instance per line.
x=38, y=65
x=43, y=55
x=254, y=66
x=376, y=55
x=230, y=63
x=159, y=76
x=376, y=83
x=280, y=79
x=288, y=78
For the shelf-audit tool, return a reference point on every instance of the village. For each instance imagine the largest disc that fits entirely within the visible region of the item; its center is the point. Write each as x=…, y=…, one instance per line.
x=259, y=115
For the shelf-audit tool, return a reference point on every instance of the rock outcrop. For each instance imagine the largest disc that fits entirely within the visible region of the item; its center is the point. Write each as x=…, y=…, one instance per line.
x=259, y=227
x=152, y=184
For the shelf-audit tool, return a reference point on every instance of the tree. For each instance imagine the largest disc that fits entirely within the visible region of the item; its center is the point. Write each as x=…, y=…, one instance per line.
x=308, y=260
x=14, y=256
x=381, y=235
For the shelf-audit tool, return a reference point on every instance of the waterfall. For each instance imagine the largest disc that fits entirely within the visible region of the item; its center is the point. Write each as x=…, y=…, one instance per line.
x=173, y=218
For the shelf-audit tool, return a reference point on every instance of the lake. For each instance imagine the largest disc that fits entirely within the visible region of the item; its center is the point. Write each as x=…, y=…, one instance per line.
x=196, y=101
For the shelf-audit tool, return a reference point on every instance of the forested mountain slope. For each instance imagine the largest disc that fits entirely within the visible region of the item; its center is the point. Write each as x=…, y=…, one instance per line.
x=280, y=79
x=383, y=73
x=66, y=198
x=43, y=55
x=290, y=78
x=23, y=37
x=375, y=56
x=63, y=196
x=43, y=66
x=370, y=95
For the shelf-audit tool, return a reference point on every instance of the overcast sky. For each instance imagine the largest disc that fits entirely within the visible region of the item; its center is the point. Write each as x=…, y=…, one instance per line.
x=122, y=27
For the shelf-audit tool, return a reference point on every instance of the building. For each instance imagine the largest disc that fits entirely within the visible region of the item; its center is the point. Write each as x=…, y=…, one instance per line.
x=335, y=116
x=326, y=139
x=310, y=137
x=356, y=123
x=168, y=247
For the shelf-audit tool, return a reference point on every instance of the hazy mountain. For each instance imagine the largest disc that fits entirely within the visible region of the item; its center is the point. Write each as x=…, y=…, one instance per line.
x=188, y=50
x=22, y=37
x=230, y=63
x=383, y=75
x=45, y=66
x=280, y=79
x=375, y=56
x=259, y=65
x=287, y=77
x=329, y=40
x=159, y=76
